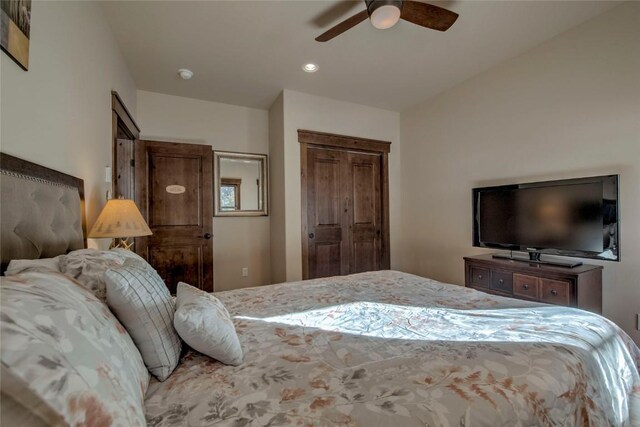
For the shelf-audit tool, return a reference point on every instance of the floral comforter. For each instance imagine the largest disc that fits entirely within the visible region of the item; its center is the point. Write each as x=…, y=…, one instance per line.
x=393, y=349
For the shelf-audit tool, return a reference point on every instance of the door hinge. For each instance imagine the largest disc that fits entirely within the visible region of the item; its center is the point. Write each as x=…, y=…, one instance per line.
x=132, y=163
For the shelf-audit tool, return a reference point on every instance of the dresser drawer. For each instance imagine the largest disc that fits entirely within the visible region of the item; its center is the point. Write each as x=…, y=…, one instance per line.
x=555, y=291
x=502, y=281
x=525, y=286
x=579, y=287
x=479, y=276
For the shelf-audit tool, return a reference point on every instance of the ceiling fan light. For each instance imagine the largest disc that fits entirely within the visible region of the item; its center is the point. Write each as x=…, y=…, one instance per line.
x=385, y=16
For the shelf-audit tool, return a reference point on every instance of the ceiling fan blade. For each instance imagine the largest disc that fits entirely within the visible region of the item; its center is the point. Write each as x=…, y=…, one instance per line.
x=428, y=15
x=343, y=26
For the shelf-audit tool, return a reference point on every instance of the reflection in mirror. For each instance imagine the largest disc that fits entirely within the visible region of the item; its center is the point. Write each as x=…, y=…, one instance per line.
x=230, y=194
x=240, y=184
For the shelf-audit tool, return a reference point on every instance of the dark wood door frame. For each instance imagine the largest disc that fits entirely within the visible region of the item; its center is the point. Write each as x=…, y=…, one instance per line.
x=123, y=127
x=120, y=112
x=309, y=138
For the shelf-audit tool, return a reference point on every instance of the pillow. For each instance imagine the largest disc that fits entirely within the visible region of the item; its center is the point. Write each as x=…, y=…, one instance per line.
x=204, y=324
x=13, y=413
x=44, y=265
x=88, y=266
x=128, y=255
x=142, y=302
x=19, y=406
x=66, y=352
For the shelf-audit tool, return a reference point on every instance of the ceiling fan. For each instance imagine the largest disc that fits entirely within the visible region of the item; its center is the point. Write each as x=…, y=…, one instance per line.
x=386, y=13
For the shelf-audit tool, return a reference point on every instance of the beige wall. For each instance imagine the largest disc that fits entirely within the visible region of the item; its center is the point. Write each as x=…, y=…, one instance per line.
x=568, y=108
x=239, y=241
x=277, y=195
x=58, y=113
x=302, y=111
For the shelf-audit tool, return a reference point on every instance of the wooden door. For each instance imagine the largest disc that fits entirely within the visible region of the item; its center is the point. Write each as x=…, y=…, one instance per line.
x=327, y=212
x=365, y=212
x=345, y=205
x=174, y=192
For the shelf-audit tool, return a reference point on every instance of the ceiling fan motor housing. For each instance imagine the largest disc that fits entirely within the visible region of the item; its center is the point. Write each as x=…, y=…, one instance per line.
x=374, y=4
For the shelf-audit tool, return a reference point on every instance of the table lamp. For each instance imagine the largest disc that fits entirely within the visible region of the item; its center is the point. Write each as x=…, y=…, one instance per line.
x=119, y=220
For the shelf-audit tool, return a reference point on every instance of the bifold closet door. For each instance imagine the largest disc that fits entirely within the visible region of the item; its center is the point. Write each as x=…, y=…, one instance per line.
x=344, y=212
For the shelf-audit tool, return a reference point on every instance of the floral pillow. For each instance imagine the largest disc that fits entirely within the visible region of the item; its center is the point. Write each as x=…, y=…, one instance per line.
x=69, y=350
x=43, y=265
x=88, y=266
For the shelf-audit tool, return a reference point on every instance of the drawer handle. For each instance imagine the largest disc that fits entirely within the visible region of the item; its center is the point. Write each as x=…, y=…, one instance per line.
x=479, y=276
x=501, y=281
x=554, y=292
x=525, y=287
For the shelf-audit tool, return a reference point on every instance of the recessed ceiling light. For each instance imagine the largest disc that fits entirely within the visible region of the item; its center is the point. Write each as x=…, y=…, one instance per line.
x=185, y=74
x=310, y=67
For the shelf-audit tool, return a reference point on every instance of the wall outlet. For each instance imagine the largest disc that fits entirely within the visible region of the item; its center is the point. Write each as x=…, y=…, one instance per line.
x=245, y=272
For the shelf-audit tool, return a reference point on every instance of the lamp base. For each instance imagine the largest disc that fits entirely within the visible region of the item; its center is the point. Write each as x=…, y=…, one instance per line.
x=121, y=243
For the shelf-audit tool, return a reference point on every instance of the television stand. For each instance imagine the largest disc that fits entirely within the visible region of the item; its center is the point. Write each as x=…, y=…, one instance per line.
x=579, y=287
x=534, y=258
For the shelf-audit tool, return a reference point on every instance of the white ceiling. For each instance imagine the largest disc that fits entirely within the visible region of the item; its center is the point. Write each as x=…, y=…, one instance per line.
x=246, y=52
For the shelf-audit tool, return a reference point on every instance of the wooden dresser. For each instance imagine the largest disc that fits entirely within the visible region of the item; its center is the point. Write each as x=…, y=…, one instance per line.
x=579, y=287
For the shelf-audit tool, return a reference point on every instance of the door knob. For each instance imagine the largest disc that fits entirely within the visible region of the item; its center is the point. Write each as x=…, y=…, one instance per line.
x=206, y=236
x=311, y=235
x=554, y=292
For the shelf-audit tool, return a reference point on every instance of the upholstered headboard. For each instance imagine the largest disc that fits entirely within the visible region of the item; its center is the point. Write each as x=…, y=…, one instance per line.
x=41, y=211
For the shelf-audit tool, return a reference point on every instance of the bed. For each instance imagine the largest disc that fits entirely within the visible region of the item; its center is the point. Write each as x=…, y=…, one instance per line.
x=381, y=348
x=389, y=348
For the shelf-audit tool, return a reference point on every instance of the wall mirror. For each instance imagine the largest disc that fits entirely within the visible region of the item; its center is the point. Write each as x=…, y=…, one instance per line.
x=240, y=184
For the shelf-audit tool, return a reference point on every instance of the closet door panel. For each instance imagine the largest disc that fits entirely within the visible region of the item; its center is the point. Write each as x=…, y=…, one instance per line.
x=328, y=244
x=327, y=185
x=364, y=203
x=365, y=219
x=328, y=260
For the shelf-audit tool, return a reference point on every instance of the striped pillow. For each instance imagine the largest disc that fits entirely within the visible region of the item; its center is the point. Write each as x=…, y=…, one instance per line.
x=141, y=301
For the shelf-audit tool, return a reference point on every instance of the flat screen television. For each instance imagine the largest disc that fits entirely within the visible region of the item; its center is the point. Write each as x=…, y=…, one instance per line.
x=571, y=217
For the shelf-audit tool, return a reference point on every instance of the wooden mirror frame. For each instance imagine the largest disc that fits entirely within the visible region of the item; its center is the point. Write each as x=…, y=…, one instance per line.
x=217, y=181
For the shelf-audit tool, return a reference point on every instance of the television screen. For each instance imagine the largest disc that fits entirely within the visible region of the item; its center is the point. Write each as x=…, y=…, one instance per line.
x=575, y=217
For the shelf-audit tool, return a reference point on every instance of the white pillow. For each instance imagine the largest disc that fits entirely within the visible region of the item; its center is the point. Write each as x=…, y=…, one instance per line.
x=43, y=265
x=204, y=324
x=141, y=301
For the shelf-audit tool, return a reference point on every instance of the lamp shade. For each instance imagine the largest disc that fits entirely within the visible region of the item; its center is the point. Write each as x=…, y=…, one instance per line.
x=120, y=218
